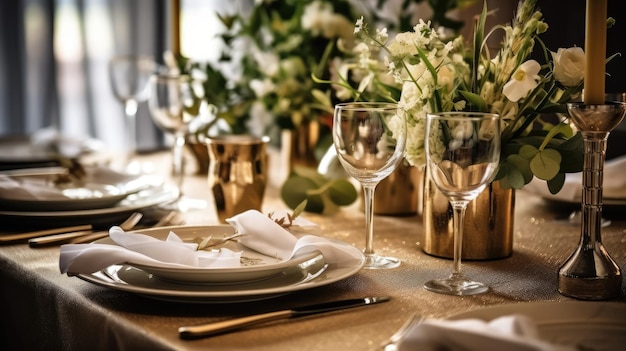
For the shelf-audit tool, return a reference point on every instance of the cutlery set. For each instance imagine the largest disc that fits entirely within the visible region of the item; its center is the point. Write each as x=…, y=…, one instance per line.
x=80, y=233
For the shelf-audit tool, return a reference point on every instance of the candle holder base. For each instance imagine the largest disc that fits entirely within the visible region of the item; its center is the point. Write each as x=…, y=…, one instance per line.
x=590, y=274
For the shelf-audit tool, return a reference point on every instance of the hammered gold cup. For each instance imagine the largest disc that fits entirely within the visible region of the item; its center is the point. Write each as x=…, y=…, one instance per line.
x=238, y=173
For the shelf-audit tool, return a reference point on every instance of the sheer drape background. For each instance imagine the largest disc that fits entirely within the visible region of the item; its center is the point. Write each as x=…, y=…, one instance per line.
x=54, y=55
x=53, y=65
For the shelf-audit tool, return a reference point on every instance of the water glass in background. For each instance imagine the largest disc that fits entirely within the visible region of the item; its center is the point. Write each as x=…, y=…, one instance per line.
x=129, y=77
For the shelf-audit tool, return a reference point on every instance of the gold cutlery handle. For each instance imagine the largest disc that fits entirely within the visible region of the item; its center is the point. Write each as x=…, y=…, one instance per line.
x=29, y=235
x=90, y=237
x=56, y=238
x=190, y=332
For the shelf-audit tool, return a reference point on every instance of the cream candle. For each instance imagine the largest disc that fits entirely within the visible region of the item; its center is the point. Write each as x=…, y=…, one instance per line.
x=595, y=52
x=175, y=27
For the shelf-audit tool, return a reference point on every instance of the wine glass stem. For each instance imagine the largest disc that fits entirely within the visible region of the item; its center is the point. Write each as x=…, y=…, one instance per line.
x=368, y=193
x=177, y=158
x=458, y=208
x=130, y=109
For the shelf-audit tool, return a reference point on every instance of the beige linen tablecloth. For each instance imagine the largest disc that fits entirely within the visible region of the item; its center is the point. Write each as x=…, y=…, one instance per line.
x=42, y=309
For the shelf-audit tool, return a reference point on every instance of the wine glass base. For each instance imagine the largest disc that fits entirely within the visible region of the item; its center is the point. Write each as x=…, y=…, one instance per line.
x=456, y=285
x=380, y=262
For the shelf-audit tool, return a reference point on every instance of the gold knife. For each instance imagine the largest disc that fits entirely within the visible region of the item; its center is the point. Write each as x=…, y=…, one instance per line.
x=221, y=327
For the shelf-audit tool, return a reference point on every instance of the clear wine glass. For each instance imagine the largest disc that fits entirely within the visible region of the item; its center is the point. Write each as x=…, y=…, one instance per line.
x=129, y=77
x=174, y=103
x=370, y=138
x=462, y=156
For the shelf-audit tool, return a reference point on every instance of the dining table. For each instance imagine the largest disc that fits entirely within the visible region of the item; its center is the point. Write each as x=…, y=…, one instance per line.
x=43, y=309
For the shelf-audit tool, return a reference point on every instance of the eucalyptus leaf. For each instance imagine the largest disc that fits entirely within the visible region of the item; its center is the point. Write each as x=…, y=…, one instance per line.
x=342, y=192
x=294, y=190
x=512, y=179
x=311, y=174
x=546, y=164
x=528, y=151
x=555, y=184
x=322, y=195
x=522, y=166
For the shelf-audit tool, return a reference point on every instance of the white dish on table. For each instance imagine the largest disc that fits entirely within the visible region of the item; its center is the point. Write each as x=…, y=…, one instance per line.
x=299, y=274
x=588, y=325
x=101, y=187
x=254, y=265
x=142, y=200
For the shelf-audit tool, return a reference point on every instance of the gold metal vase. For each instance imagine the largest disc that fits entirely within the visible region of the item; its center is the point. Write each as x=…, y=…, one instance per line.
x=489, y=222
x=238, y=173
x=399, y=193
x=298, y=145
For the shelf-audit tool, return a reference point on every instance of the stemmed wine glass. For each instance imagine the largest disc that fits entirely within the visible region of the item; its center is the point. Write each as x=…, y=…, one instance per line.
x=462, y=156
x=369, y=138
x=129, y=77
x=174, y=103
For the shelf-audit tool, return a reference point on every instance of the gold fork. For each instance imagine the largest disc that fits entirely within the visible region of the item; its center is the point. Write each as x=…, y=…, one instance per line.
x=167, y=219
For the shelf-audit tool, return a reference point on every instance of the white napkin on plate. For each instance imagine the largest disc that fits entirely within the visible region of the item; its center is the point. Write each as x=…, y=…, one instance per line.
x=613, y=187
x=511, y=333
x=258, y=233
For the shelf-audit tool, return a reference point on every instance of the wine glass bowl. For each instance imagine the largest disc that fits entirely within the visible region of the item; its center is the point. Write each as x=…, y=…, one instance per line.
x=129, y=76
x=462, y=157
x=369, y=138
x=174, y=103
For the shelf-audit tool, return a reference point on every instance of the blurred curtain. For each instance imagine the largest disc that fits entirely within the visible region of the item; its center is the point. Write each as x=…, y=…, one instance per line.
x=53, y=65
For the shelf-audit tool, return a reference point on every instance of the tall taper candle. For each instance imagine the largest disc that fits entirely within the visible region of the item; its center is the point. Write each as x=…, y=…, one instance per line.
x=175, y=27
x=595, y=52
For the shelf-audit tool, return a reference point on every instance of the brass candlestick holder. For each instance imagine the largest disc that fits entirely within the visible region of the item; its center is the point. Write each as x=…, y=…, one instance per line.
x=590, y=273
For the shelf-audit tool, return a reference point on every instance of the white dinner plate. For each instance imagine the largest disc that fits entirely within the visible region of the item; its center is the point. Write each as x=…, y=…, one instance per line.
x=587, y=325
x=255, y=265
x=146, y=198
x=20, y=151
x=295, y=278
x=102, y=187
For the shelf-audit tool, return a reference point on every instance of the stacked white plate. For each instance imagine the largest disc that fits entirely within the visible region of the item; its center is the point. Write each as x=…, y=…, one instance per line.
x=259, y=277
x=104, y=195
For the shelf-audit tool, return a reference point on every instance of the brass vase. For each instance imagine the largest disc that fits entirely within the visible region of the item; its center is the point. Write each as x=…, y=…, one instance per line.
x=238, y=173
x=298, y=145
x=399, y=193
x=200, y=155
x=488, y=230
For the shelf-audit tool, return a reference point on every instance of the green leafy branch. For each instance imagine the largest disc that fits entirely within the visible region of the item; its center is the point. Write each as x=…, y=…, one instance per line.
x=322, y=194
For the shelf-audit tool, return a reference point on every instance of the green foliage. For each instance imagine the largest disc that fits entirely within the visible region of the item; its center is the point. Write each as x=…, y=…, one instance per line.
x=322, y=195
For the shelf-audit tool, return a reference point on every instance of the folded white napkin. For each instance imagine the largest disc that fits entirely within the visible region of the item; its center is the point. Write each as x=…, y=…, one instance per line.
x=511, y=333
x=66, y=145
x=613, y=187
x=259, y=233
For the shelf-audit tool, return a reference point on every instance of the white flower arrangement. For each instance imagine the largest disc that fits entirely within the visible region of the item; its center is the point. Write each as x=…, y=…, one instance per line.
x=435, y=73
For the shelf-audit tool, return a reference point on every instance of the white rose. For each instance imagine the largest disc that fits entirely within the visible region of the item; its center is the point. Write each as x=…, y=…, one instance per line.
x=569, y=66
